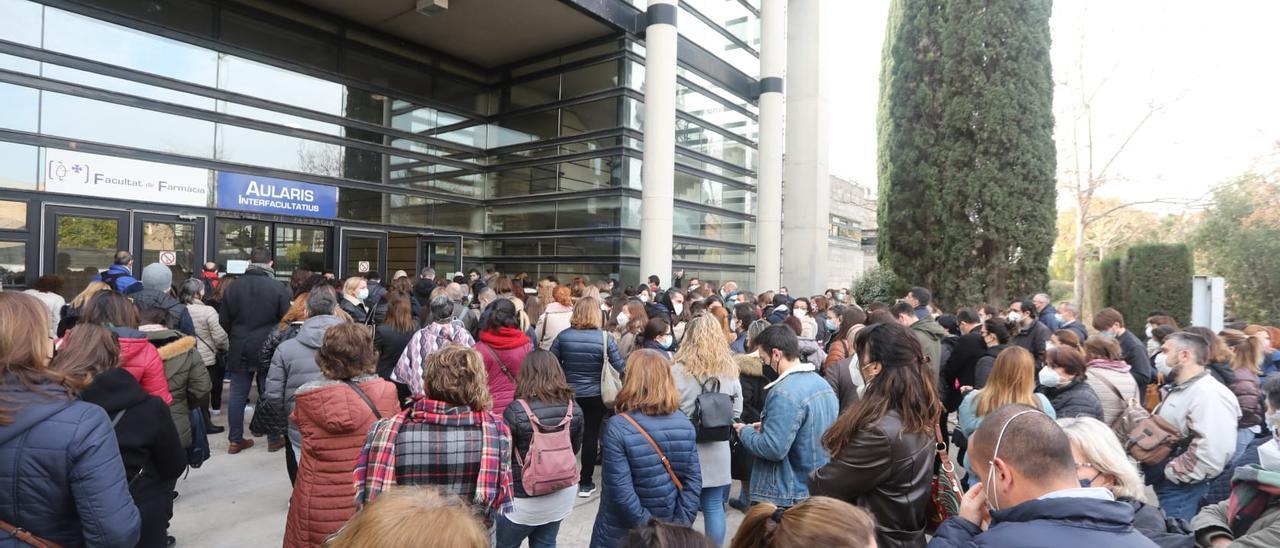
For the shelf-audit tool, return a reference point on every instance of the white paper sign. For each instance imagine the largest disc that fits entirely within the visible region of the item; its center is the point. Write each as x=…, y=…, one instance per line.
x=85, y=174
x=362, y=266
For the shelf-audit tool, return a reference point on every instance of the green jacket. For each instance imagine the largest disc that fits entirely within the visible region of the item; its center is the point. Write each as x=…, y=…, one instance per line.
x=1264, y=533
x=930, y=334
x=189, y=382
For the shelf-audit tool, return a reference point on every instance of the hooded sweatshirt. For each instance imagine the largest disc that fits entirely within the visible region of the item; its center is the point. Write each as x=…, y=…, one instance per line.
x=930, y=334
x=294, y=364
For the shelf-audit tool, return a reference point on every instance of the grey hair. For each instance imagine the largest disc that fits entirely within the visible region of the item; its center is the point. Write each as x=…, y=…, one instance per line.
x=1044, y=296
x=1073, y=308
x=487, y=295
x=441, y=308
x=321, y=301
x=189, y=289
x=428, y=272
x=1197, y=345
x=1098, y=445
x=454, y=291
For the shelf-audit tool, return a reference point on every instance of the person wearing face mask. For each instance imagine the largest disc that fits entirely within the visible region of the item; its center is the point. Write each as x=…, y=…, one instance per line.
x=1045, y=312
x=354, y=292
x=631, y=321
x=674, y=300
x=808, y=326
x=1110, y=323
x=753, y=376
x=799, y=407
x=657, y=336
x=1251, y=517
x=995, y=334
x=1069, y=318
x=1101, y=462
x=1062, y=380
x=1031, y=334
x=1204, y=412
x=744, y=314
x=1030, y=495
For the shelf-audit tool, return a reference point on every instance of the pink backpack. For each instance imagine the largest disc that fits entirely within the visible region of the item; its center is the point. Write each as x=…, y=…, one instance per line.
x=550, y=464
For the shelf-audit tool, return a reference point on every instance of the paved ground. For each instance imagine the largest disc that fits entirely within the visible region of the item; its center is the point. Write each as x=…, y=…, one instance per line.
x=242, y=500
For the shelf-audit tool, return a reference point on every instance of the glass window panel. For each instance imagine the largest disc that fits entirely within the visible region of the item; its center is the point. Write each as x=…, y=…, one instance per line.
x=470, y=186
x=521, y=181
x=276, y=84
x=179, y=238
x=590, y=79
x=259, y=148
x=416, y=120
x=701, y=224
x=300, y=247
x=461, y=217
x=588, y=213
x=13, y=268
x=593, y=51
x=462, y=95
x=713, y=193
x=308, y=49
x=359, y=248
x=83, y=244
x=708, y=254
x=473, y=136
x=718, y=44
x=13, y=215
x=79, y=118
x=695, y=137
x=598, y=245
x=288, y=120
x=85, y=37
x=590, y=173
x=19, y=64
x=630, y=247
x=712, y=110
x=384, y=70
x=536, y=216
x=715, y=89
x=512, y=248
x=533, y=93
x=18, y=165
x=194, y=16
x=524, y=129
x=586, y=117
x=236, y=239
x=360, y=205
x=92, y=79
x=21, y=109
x=21, y=21
x=633, y=114
x=732, y=16
x=713, y=168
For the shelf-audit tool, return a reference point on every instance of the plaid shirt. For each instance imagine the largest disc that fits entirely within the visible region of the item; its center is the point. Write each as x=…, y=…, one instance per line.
x=408, y=369
x=465, y=453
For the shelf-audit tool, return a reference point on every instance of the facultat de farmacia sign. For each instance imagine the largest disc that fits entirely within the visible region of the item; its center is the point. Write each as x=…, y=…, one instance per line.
x=84, y=174
x=277, y=196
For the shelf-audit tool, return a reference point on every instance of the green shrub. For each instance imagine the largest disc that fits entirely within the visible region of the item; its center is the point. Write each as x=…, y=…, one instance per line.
x=1157, y=277
x=1061, y=290
x=1111, y=274
x=879, y=285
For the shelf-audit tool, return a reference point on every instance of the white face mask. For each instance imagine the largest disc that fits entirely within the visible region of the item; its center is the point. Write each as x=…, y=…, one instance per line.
x=1049, y=378
x=623, y=318
x=644, y=298
x=693, y=287
x=801, y=313
x=363, y=294
x=1015, y=317
x=1269, y=455
x=1150, y=328
x=1162, y=364
x=679, y=308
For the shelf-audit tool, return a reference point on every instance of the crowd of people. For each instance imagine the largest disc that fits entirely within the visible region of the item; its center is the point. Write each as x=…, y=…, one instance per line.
x=475, y=410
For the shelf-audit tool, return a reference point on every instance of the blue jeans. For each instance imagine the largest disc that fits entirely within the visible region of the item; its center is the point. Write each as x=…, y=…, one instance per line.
x=1244, y=437
x=1178, y=500
x=713, y=512
x=241, y=382
x=510, y=535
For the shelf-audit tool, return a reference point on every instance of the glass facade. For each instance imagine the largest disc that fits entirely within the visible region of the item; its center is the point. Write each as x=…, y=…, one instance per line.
x=535, y=165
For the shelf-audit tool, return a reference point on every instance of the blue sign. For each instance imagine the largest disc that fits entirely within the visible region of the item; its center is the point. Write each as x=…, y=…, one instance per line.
x=279, y=196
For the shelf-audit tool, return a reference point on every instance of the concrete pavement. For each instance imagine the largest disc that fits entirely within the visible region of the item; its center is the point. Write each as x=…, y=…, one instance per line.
x=242, y=500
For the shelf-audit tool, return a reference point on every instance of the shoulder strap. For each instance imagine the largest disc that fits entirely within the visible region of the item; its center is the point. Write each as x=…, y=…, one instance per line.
x=604, y=347
x=364, y=397
x=116, y=419
x=25, y=536
x=661, y=456
x=1112, y=387
x=498, y=359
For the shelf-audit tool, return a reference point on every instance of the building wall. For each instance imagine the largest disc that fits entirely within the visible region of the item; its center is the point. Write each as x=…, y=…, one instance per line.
x=851, y=239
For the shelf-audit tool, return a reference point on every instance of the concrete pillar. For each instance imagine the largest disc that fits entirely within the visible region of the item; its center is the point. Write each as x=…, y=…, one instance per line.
x=657, y=176
x=773, y=63
x=808, y=186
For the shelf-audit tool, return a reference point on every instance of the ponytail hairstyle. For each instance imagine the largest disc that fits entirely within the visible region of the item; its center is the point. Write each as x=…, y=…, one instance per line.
x=1246, y=351
x=817, y=522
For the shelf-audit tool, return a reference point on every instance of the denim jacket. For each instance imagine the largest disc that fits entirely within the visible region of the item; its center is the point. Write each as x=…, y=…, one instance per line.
x=797, y=411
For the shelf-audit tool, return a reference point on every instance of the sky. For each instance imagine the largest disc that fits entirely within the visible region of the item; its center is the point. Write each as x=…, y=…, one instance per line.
x=1211, y=66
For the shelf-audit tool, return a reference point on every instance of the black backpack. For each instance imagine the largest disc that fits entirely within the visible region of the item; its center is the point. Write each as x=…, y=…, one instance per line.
x=713, y=413
x=199, y=450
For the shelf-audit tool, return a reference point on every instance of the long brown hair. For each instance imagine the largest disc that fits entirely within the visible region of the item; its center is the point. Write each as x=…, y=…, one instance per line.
x=109, y=307
x=541, y=379
x=1012, y=380
x=637, y=317
x=905, y=384
x=648, y=386
x=399, y=312
x=586, y=314
x=817, y=522
x=24, y=345
x=89, y=350
x=297, y=311
x=1218, y=351
x=405, y=516
x=455, y=375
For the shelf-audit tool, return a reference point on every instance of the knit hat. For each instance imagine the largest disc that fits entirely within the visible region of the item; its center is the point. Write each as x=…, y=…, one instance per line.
x=157, y=277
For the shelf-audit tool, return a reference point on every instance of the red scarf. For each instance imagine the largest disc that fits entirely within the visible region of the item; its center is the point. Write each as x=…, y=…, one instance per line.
x=504, y=338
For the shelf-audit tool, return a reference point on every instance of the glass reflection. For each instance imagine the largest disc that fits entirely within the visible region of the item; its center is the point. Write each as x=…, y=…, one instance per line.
x=81, y=36
x=89, y=120
x=18, y=165
x=13, y=267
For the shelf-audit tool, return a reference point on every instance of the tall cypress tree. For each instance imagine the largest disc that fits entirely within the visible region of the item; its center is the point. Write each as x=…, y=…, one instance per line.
x=967, y=159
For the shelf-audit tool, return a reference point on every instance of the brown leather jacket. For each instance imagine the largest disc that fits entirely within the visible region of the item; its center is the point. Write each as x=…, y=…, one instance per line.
x=886, y=472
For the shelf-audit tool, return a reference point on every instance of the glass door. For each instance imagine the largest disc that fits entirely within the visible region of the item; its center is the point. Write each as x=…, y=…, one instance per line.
x=177, y=242
x=81, y=242
x=443, y=253
x=363, y=252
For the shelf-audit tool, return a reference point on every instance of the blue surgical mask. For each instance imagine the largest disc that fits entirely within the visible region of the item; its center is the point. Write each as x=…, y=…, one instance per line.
x=363, y=294
x=665, y=342
x=1108, y=334
x=831, y=325
x=1058, y=318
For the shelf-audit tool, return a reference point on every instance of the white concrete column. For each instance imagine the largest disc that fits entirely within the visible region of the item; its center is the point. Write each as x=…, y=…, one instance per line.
x=657, y=176
x=807, y=187
x=773, y=63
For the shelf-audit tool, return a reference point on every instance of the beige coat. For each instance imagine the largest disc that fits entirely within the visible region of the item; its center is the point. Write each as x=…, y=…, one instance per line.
x=1112, y=405
x=210, y=337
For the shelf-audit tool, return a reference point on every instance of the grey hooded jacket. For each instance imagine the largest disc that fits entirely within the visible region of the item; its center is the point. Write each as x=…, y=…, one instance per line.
x=294, y=364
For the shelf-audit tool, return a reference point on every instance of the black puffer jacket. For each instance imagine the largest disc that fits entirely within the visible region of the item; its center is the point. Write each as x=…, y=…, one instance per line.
x=1247, y=390
x=983, y=369
x=753, y=376
x=549, y=415
x=1074, y=399
x=1160, y=529
x=274, y=340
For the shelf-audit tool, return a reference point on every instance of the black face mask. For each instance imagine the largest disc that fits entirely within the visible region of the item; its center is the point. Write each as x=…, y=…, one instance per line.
x=770, y=373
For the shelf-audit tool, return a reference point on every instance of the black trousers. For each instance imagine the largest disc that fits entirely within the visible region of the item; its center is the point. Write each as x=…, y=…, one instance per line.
x=593, y=411
x=216, y=372
x=291, y=463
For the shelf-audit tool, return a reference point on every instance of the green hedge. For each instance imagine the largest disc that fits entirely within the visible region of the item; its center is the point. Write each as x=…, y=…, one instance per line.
x=1146, y=278
x=879, y=285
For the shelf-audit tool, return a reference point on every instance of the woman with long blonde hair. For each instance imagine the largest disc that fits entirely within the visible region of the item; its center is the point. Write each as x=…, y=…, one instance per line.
x=70, y=313
x=704, y=364
x=645, y=479
x=1012, y=380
